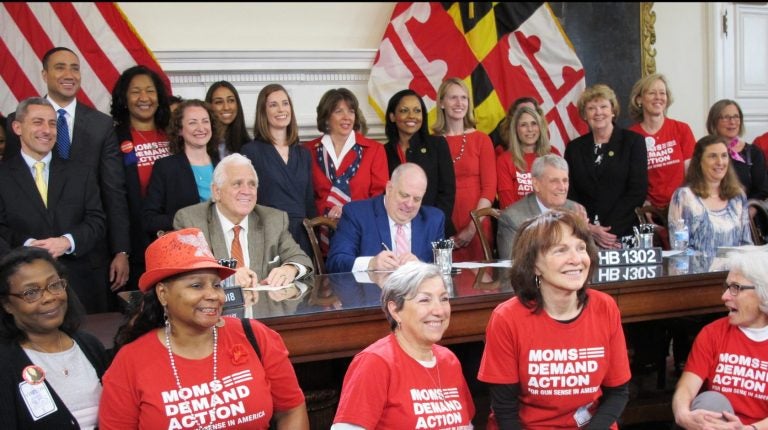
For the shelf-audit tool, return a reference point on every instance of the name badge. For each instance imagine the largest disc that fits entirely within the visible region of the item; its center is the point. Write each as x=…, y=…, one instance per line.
x=582, y=415
x=629, y=257
x=38, y=400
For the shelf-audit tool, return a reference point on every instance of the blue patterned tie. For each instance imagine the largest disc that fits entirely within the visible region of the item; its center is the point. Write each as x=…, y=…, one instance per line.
x=62, y=135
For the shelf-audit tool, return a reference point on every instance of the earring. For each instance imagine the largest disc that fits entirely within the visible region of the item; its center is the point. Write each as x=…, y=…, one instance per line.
x=165, y=317
x=537, y=281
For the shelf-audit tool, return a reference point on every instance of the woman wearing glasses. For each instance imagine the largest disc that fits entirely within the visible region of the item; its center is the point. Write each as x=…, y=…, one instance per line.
x=51, y=371
x=712, y=202
x=730, y=355
x=725, y=119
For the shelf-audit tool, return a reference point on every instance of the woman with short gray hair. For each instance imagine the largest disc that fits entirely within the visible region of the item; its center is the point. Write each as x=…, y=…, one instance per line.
x=729, y=356
x=406, y=380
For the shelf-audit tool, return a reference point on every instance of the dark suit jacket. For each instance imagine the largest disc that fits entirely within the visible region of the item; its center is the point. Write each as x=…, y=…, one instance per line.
x=94, y=144
x=15, y=414
x=139, y=238
x=364, y=226
x=74, y=207
x=269, y=243
x=434, y=157
x=171, y=187
x=618, y=187
x=511, y=219
x=285, y=186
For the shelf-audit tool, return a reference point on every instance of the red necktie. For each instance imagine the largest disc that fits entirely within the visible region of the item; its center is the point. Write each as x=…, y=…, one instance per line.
x=237, y=250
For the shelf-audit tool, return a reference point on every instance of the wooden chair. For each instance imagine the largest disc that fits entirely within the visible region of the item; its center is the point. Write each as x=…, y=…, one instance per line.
x=652, y=215
x=310, y=225
x=477, y=216
x=758, y=223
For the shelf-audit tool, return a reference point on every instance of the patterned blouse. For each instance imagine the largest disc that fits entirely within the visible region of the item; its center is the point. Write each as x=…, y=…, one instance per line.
x=710, y=229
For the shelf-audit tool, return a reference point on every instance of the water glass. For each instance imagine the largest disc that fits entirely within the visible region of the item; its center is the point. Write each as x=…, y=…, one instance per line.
x=443, y=259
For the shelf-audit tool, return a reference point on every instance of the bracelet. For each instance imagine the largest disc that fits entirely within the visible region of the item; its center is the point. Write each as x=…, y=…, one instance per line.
x=754, y=427
x=127, y=255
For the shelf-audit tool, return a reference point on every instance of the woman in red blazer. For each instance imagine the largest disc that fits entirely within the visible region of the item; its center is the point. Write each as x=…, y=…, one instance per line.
x=346, y=165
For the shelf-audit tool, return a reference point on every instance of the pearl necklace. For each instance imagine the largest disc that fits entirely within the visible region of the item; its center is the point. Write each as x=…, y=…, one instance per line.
x=463, y=144
x=173, y=362
x=61, y=349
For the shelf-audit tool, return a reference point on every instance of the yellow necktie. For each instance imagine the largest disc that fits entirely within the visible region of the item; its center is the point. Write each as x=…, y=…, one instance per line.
x=40, y=182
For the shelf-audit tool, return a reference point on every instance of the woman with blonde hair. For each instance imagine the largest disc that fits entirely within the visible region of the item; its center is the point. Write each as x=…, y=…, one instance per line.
x=527, y=142
x=669, y=142
x=608, y=168
x=474, y=165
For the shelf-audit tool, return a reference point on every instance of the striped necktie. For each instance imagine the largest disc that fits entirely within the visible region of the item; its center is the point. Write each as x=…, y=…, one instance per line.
x=237, y=250
x=402, y=244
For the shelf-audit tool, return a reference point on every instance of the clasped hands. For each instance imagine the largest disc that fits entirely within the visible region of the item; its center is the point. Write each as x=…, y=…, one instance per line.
x=278, y=277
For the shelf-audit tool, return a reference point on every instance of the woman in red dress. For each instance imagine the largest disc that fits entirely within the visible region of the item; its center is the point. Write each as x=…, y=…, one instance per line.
x=474, y=162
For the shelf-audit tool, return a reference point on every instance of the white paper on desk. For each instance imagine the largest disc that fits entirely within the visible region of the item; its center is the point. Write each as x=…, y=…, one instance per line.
x=477, y=264
x=268, y=287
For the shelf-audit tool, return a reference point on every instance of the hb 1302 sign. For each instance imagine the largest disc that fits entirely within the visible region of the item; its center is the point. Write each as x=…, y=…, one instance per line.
x=628, y=257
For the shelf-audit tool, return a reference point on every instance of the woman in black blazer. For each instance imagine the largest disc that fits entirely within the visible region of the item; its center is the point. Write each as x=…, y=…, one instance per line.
x=608, y=168
x=184, y=178
x=408, y=140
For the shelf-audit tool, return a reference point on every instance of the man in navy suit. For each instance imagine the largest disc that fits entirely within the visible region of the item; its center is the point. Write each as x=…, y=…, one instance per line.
x=384, y=232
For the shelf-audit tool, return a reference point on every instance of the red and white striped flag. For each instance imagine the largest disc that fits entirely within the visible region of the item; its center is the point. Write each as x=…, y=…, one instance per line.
x=98, y=32
x=502, y=50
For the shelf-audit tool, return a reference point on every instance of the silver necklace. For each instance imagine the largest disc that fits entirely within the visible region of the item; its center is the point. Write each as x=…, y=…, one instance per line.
x=173, y=362
x=61, y=349
x=463, y=144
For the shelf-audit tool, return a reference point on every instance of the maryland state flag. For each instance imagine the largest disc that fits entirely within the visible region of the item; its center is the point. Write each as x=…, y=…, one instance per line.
x=502, y=51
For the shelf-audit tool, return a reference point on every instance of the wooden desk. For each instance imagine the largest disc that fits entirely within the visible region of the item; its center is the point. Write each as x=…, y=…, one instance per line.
x=327, y=334
x=338, y=316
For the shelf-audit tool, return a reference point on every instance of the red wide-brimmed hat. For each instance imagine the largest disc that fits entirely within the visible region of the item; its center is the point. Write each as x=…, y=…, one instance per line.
x=178, y=252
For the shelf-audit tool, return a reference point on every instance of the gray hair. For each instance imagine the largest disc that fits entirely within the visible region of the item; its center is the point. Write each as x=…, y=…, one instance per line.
x=554, y=160
x=220, y=172
x=23, y=108
x=751, y=264
x=402, y=285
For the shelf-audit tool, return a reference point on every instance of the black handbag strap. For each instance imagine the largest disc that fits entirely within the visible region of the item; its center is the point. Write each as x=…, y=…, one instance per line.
x=249, y=334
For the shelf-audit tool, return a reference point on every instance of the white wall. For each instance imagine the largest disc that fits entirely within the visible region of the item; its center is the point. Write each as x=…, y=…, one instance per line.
x=266, y=34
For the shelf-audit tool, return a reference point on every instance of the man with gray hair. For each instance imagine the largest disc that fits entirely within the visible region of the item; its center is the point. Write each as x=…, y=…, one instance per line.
x=52, y=203
x=550, y=191
x=236, y=227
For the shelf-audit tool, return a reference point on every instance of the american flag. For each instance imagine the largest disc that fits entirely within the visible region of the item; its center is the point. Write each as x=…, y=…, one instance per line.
x=98, y=32
x=502, y=50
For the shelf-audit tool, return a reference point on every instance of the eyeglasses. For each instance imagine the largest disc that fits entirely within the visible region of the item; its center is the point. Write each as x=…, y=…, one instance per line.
x=34, y=294
x=728, y=118
x=735, y=288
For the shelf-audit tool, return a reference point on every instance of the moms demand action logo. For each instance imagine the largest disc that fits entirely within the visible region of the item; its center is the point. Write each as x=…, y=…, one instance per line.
x=214, y=405
x=741, y=374
x=563, y=372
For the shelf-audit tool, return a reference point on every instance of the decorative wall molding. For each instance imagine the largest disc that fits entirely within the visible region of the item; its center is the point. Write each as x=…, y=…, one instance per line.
x=305, y=74
x=647, y=38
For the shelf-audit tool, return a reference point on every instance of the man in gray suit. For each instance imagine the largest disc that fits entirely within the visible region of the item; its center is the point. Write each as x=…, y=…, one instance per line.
x=549, y=175
x=268, y=250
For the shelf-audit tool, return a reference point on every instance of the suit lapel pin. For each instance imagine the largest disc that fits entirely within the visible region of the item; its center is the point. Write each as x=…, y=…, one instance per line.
x=423, y=150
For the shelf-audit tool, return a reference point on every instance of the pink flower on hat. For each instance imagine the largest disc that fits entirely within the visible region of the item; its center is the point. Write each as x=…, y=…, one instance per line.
x=199, y=242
